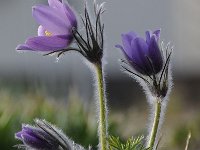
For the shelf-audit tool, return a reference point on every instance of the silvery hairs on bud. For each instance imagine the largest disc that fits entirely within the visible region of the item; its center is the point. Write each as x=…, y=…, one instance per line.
x=148, y=62
x=45, y=136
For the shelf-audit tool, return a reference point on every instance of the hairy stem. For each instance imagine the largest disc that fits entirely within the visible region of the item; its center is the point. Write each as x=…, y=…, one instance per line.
x=188, y=141
x=155, y=127
x=102, y=108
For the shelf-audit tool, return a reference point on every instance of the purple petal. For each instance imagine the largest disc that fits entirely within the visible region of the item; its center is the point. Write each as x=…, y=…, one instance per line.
x=50, y=19
x=23, y=47
x=148, y=36
x=126, y=44
x=34, y=141
x=18, y=135
x=46, y=43
x=120, y=47
x=155, y=54
x=66, y=11
x=157, y=33
x=139, y=49
x=130, y=36
x=60, y=8
x=139, y=53
x=29, y=129
x=70, y=14
x=126, y=40
x=55, y=4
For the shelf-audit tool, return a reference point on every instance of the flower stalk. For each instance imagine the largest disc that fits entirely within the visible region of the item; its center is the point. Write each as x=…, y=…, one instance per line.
x=91, y=46
x=156, y=122
x=102, y=126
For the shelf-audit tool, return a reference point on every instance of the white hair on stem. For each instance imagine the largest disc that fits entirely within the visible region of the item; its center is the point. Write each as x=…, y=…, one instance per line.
x=157, y=95
x=94, y=71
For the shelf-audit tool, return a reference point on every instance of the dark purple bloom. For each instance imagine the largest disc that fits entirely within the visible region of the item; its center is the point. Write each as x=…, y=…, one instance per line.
x=55, y=30
x=144, y=55
x=44, y=136
x=36, y=138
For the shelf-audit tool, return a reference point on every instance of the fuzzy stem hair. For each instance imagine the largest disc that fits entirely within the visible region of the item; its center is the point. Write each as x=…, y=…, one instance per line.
x=102, y=123
x=155, y=127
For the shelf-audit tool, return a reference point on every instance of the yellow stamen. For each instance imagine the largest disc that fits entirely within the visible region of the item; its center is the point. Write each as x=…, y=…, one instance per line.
x=47, y=33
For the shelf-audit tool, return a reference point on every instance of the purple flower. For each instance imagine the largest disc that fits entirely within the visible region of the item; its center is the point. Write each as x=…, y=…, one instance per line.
x=44, y=136
x=144, y=55
x=36, y=138
x=55, y=31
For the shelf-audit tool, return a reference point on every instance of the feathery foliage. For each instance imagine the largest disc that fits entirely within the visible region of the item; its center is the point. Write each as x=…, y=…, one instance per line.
x=131, y=144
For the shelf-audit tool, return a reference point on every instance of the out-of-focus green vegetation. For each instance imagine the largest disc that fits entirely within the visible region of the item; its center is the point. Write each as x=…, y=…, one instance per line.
x=181, y=118
x=181, y=132
x=73, y=117
x=78, y=119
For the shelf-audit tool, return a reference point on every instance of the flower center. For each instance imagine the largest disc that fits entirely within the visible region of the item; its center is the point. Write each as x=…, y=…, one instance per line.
x=47, y=33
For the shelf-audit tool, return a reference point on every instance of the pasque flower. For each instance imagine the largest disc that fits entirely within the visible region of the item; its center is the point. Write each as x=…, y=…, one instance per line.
x=45, y=136
x=36, y=138
x=144, y=55
x=149, y=63
x=91, y=43
x=55, y=30
x=91, y=46
x=58, y=27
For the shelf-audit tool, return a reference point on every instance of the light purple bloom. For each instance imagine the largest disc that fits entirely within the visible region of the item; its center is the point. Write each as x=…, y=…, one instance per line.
x=55, y=31
x=144, y=55
x=36, y=138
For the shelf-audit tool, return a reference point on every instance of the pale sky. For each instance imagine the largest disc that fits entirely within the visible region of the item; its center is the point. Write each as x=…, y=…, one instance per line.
x=179, y=21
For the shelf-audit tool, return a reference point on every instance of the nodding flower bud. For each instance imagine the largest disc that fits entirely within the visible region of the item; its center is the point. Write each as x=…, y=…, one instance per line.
x=147, y=60
x=36, y=138
x=45, y=136
x=144, y=55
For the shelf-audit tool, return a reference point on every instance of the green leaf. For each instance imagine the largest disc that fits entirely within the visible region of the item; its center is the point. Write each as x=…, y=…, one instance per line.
x=131, y=144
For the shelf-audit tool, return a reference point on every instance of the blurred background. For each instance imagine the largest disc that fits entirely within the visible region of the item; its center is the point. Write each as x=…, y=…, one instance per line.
x=32, y=85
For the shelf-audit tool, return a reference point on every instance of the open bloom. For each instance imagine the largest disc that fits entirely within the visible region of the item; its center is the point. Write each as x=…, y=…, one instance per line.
x=144, y=55
x=55, y=30
x=36, y=138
